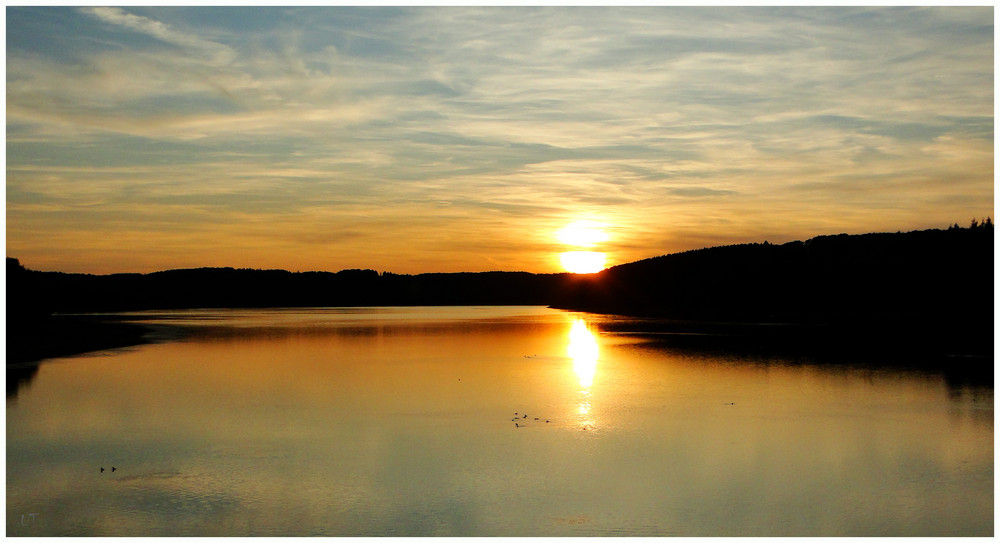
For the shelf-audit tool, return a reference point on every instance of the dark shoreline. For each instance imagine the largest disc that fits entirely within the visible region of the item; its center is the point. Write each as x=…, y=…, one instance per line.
x=69, y=335
x=30, y=342
x=903, y=345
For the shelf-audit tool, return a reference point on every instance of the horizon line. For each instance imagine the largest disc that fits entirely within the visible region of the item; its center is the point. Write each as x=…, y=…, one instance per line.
x=984, y=221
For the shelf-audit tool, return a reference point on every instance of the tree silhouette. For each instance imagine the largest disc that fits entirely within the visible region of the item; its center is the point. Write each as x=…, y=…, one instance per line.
x=913, y=281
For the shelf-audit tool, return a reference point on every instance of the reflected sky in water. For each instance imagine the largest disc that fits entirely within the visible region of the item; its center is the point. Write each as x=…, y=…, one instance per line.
x=401, y=421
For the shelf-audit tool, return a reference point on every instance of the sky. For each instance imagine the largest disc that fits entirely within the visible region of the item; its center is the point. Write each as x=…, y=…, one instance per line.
x=465, y=139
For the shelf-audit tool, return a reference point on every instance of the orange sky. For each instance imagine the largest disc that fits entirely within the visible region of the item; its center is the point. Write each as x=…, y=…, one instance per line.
x=464, y=139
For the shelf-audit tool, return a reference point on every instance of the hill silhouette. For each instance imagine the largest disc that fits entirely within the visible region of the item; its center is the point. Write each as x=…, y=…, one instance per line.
x=920, y=294
x=935, y=286
x=930, y=272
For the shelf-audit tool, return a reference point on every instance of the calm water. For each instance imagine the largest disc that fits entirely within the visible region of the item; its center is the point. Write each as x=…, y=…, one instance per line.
x=401, y=421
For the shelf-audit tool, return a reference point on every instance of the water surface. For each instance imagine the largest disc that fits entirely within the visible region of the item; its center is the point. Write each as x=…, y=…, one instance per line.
x=484, y=421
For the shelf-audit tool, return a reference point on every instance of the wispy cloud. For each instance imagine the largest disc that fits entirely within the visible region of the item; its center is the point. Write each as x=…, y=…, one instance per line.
x=163, y=32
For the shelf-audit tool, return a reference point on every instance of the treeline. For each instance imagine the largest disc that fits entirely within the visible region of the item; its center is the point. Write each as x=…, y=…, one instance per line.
x=919, y=293
x=923, y=274
x=947, y=273
x=33, y=293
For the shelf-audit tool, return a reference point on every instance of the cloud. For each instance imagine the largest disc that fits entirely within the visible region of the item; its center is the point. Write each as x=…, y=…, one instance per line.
x=117, y=16
x=696, y=192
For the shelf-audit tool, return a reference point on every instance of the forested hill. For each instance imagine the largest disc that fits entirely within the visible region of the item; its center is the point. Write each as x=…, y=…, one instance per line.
x=948, y=273
x=34, y=292
x=939, y=273
x=907, y=295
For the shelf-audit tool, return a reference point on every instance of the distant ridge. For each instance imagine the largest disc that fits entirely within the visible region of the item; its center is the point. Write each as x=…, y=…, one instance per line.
x=922, y=271
x=930, y=291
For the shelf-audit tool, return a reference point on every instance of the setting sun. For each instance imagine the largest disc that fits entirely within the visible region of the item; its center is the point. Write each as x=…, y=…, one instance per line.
x=582, y=234
x=582, y=261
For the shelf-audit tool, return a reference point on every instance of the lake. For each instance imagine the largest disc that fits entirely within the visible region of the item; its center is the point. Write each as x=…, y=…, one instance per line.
x=484, y=421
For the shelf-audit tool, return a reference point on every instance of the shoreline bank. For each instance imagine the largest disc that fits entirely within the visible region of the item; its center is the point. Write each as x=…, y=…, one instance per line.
x=35, y=340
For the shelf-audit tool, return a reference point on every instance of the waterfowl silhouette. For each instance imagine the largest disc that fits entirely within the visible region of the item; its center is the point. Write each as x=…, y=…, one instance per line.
x=113, y=469
x=102, y=469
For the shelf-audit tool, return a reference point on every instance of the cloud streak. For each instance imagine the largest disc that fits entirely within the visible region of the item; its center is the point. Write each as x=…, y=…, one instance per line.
x=160, y=31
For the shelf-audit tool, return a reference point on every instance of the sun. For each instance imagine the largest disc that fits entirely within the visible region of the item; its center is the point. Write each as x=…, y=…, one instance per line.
x=582, y=234
x=583, y=261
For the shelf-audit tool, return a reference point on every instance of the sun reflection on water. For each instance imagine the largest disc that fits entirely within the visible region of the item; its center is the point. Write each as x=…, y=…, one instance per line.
x=582, y=348
x=584, y=352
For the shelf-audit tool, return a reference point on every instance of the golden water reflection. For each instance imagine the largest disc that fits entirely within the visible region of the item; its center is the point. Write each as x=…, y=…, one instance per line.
x=396, y=422
x=583, y=350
